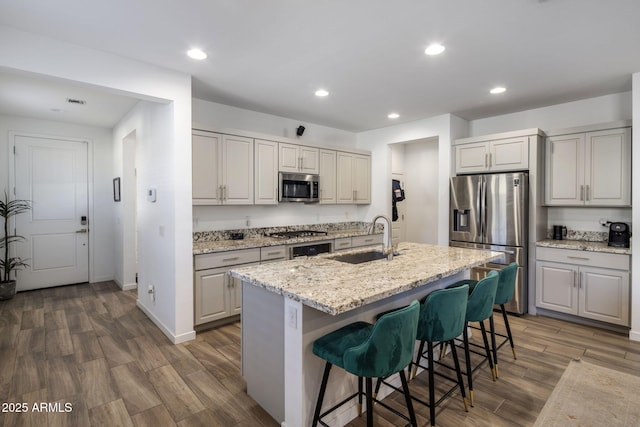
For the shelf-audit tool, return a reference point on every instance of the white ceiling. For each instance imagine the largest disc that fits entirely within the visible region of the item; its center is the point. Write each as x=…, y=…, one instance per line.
x=270, y=56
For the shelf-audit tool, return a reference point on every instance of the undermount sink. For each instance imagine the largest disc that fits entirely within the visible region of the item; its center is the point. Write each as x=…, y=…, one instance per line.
x=359, y=258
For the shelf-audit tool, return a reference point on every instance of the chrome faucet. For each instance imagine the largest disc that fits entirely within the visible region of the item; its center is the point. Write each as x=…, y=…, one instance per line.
x=388, y=248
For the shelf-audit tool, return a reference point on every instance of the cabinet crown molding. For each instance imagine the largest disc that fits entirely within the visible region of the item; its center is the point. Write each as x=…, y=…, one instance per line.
x=590, y=128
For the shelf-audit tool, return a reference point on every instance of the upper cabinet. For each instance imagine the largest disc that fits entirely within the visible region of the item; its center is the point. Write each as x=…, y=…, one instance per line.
x=353, y=178
x=222, y=169
x=243, y=170
x=327, y=176
x=492, y=156
x=589, y=168
x=266, y=172
x=298, y=158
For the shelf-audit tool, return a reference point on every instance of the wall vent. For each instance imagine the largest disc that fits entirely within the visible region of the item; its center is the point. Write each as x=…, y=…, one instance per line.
x=76, y=101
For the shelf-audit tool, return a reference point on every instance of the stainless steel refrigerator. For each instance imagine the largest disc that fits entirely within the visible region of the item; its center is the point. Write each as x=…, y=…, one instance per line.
x=491, y=212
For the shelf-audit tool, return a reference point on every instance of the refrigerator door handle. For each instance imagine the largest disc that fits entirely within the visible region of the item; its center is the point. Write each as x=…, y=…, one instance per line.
x=479, y=208
x=483, y=202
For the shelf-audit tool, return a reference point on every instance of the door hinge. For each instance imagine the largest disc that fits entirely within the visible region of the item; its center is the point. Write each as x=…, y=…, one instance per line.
x=14, y=150
x=136, y=277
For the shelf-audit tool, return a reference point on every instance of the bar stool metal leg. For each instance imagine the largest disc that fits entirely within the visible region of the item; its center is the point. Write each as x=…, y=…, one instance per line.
x=506, y=324
x=323, y=388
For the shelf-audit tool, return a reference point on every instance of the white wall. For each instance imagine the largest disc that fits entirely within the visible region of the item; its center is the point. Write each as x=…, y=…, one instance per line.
x=226, y=117
x=101, y=241
x=222, y=117
x=166, y=159
x=421, y=190
x=601, y=109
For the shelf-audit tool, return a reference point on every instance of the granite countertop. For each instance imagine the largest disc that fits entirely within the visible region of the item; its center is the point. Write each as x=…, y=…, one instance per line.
x=207, y=247
x=582, y=245
x=336, y=287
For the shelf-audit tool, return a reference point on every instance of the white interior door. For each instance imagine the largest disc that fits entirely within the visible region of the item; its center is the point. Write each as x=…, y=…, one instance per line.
x=52, y=174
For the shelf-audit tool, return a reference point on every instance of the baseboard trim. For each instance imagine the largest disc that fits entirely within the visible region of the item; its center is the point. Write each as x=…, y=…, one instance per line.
x=129, y=286
x=175, y=339
x=634, y=336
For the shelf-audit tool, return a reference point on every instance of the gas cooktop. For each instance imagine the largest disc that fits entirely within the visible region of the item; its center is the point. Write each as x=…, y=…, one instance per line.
x=297, y=233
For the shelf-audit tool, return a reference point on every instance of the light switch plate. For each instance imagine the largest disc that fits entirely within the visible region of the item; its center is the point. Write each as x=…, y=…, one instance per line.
x=151, y=195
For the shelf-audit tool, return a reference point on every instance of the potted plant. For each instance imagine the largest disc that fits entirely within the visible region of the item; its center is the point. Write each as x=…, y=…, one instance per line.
x=8, y=209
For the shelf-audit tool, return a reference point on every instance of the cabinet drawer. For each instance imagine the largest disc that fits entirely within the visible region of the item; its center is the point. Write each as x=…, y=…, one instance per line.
x=373, y=239
x=223, y=259
x=342, y=243
x=593, y=259
x=273, y=252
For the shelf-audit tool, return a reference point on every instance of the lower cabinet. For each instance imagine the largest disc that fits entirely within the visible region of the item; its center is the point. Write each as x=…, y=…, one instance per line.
x=593, y=285
x=216, y=294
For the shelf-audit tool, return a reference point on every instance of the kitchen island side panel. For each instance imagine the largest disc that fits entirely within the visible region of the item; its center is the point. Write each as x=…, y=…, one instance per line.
x=263, y=348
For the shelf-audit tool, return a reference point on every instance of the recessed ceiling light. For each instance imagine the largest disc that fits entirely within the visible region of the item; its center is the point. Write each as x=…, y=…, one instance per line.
x=196, y=54
x=497, y=90
x=393, y=115
x=434, y=49
x=321, y=92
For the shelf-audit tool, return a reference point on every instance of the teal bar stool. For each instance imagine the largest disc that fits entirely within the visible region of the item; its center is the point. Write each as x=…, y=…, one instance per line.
x=370, y=351
x=479, y=309
x=442, y=319
x=504, y=294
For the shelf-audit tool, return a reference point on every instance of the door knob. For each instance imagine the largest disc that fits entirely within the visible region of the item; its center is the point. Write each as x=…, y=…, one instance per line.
x=83, y=230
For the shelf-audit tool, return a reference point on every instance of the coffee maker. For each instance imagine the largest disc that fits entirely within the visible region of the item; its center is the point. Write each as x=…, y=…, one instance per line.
x=619, y=235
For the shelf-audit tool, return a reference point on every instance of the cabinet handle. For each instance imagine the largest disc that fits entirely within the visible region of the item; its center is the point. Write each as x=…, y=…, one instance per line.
x=486, y=161
x=588, y=196
x=272, y=253
x=490, y=159
x=354, y=195
x=578, y=257
x=224, y=192
x=220, y=192
x=582, y=192
x=230, y=259
x=575, y=278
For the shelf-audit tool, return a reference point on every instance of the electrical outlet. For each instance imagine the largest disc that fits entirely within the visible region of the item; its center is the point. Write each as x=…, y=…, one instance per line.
x=292, y=316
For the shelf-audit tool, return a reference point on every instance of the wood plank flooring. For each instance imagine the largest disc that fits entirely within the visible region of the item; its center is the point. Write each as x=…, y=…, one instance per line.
x=88, y=347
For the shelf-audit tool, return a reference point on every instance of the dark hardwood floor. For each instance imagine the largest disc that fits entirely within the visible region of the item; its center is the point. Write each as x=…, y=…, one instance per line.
x=97, y=360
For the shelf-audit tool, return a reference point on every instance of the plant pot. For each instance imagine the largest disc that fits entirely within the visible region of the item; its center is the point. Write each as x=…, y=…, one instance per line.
x=7, y=289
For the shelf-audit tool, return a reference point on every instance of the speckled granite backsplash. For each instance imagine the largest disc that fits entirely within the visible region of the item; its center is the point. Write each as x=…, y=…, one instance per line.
x=212, y=236
x=587, y=236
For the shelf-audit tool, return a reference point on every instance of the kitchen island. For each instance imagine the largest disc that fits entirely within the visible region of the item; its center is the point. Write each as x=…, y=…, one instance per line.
x=287, y=305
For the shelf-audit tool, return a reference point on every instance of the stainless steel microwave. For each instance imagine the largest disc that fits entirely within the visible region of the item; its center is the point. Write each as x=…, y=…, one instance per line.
x=299, y=187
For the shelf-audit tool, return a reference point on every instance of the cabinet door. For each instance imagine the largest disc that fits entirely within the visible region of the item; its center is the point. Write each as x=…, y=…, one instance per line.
x=235, y=296
x=361, y=179
x=564, y=175
x=327, y=177
x=205, y=152
x=509, y=154
x=237, y=169
x=556, y=287
x=471, y=157
x=309, y=159
x=608, y=168
x=604, y=295
x=266, y=172
x=210, y=299
x=345, y=185
x=288, y=158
